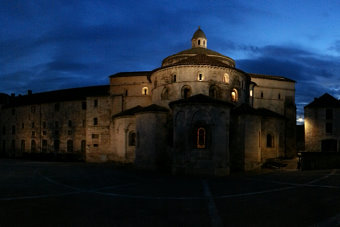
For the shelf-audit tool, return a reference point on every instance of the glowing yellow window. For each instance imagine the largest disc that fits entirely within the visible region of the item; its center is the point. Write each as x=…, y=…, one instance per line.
x=234, y=95
x=145, y=91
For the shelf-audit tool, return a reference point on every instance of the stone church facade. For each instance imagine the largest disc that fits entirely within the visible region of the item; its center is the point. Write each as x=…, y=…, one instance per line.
x=196, y=113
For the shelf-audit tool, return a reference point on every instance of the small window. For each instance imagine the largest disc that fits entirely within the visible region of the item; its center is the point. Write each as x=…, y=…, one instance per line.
x=204, y=42
x=83, y=105
x=329, y=127
x=69, y=146
x=186, y=92
x=56, y=124
x=95, y=121
x=132, y=139
x=270, y=140
x=173, y=78
x=329, y=114
x=225, y=78
x=145, y=91
x=251, y=93
x=83, y=146
x=69, y=132
x=56, y=132
x=199, y=42
x=13, y=129
x=279, y=96
x=33, y=125
x=95, y=103
x=22, y=125
x=69, y=123
x=33, y=133
x=261, y=94
x=44, y=124
x=95, y=145
x=126, y=92
x=95, y=136
x=44, y=133
x=33, y=146
x=234, y=95
x=84, y=123
x=200, y=77
x=201, y=138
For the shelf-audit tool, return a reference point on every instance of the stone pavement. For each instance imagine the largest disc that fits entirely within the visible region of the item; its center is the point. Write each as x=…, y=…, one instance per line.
x=83, y=194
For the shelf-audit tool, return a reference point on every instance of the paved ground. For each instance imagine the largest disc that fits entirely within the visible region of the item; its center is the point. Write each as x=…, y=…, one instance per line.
x=80, y=194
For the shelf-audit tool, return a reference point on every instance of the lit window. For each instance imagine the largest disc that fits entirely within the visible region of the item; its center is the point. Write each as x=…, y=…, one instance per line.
x=226, y=78
x=201, y=138
x=251, y=93
x=145, y=91
x=200, y=77
x=234, y=95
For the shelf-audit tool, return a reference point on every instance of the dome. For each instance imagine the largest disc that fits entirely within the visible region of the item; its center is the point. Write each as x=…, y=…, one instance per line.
x=198, y=34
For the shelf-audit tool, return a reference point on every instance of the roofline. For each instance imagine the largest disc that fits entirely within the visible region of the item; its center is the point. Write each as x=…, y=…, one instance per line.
x=270, y=77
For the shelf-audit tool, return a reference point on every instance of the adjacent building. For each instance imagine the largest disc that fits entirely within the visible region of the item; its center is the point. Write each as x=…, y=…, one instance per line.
x=196, y=113
x=322, y=125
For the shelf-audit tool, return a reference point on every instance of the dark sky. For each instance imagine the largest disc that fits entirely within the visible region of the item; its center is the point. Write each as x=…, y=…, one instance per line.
x=48, y=45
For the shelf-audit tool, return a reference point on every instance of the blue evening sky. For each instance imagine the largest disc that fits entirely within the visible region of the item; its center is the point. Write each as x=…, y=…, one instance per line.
x=48, y=45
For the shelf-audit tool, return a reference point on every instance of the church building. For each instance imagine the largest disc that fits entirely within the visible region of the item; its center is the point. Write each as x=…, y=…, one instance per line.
x=195, y=114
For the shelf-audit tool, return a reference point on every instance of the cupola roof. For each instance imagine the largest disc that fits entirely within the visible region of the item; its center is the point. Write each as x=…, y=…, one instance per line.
x=198, y=34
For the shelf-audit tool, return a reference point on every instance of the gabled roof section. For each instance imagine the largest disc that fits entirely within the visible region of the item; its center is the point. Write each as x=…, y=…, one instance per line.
x=245, y=109
x=59, y=95
x=128, y=74
x=270, y=77
x=128, y=112
x=324, y=101
x=200, y=99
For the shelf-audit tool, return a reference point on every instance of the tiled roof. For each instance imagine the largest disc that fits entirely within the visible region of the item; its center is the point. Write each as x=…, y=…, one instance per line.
x=324, y=101
x=127, y=74
x=271, y=77
x=200, y=99
x=128, y=112
x=59, y=95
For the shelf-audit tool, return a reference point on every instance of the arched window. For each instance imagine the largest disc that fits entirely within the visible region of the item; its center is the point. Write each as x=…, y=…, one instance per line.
x=145, y=91
x=234, y=95
x=201, y=138
x=213, y=92
x=199, y=42
x=226, y=78
x=270, y=140
x=186, y=91
x=132, y=138
x=165, y=94
x=69, y=146
x=200, y=76
x=173, y=78
x=33, y=146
